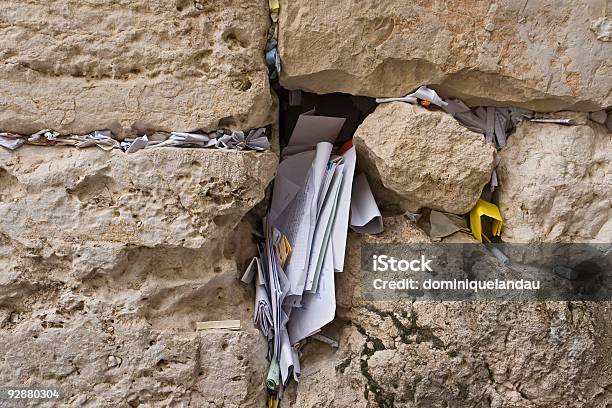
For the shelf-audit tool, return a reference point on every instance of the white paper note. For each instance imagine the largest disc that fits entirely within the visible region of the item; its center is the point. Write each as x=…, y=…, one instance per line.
x=340, y=230
x=317, y=309
x=365, y=215
x=310, y=130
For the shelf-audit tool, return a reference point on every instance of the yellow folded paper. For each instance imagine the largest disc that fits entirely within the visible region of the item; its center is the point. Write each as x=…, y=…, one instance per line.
x=274, y=6
x=284, y=250
x=490, y=210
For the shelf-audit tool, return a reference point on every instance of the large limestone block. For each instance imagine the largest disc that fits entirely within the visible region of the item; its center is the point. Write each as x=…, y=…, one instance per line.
x=100, y=354
x=541, y=54
x=129, y=66
x=168, y=196
x=556, y=183
x=114, y=217
x=420, y=158
x=427, y=353
x=108, y=260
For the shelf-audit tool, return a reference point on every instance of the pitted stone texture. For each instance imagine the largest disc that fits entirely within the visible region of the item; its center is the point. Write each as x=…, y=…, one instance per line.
x=429, y=353
x=480, y=353
x=99, y=360
x=190, y=198
x=151, y=226
x=538, y=54
x=555, y=184
x=133, y=65
x=419, y=158
x=108, y=260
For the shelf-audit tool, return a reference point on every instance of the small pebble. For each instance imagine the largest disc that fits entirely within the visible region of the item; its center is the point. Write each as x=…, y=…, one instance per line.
x=113, y=361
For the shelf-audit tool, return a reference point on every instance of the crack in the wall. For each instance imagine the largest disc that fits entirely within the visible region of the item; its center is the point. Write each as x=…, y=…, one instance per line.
x=421, y=333
x=384, y=398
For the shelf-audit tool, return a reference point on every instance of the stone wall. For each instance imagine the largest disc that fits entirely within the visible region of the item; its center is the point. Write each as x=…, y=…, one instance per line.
x=545, y=54
x=556, y=183
x=107, y=260
x=132, y=66
x=459, y=354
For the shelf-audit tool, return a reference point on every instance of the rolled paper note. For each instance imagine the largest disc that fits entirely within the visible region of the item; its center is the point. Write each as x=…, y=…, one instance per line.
x=501, y=257
x=273, y=379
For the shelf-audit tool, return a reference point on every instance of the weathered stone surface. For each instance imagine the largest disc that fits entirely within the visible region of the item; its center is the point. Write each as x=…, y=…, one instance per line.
x=427, y=354
x=538, y=54
x=189, y=198
x=555, y=184
x=418, y=158
x=133, y=65
x=107, y=261
x=481, y=353
x=132, y=365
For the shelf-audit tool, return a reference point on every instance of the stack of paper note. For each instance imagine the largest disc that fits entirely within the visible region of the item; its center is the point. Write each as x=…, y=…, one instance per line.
x=305, y=237
x=255, y=139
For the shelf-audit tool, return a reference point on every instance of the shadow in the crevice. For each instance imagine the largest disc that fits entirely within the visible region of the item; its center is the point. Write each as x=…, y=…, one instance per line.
x=354, y=108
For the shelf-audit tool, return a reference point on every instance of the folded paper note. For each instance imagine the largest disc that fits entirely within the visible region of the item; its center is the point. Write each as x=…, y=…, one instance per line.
x=219, y=324
x=490, y=210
